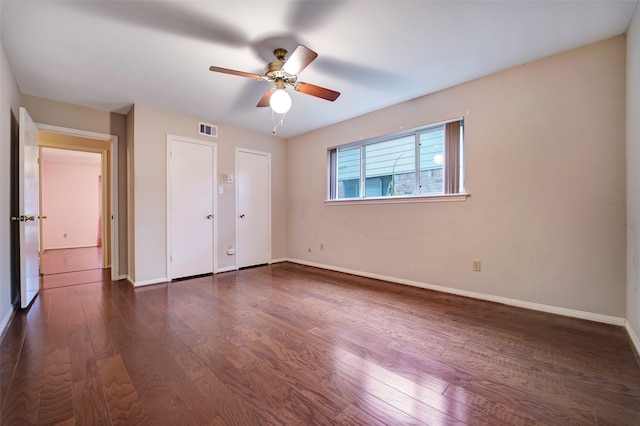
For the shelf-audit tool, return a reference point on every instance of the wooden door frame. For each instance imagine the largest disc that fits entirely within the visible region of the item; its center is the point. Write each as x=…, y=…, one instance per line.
x=237, y=198
x=170, y=140
x=109, y=159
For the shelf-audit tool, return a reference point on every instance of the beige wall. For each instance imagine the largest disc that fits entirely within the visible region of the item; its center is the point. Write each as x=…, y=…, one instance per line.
x=9, y=103
x=545, y=167
x=633, y=176
x=149, y=166
x=75, y=117
x=46, y=111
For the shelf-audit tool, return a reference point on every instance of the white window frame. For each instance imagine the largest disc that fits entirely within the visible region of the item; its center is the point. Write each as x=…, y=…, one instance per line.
x=461, y=195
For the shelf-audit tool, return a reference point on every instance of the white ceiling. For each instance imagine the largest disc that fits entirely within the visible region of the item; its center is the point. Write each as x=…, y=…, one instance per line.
x=110, y=55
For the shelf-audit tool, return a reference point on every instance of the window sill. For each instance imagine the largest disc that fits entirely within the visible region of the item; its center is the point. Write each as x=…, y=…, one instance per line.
x=397, y=200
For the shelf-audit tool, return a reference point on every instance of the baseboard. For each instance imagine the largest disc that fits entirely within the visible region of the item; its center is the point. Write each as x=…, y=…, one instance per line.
x=68, y=247
x=633, y=337
x=226, y=269
x=235, y=268
x=5, y=321
x=606, y=319
x=148, y=282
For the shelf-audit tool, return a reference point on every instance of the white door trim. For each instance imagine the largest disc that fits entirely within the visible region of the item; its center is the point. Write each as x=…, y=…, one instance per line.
x=113, y=139
x=237, y=196
x=170, y=139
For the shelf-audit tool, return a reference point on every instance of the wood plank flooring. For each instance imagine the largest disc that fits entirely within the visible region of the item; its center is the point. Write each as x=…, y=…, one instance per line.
x=65, y=267
x=289, y=344
x=60, y=261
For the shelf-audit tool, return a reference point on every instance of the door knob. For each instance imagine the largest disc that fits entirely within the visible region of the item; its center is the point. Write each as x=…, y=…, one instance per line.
x=42, y=217
x=17, y=219
x=31, y=218
x=242, y=216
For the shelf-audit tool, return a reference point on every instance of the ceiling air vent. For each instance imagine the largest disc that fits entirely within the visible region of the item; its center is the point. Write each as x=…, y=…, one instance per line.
x=208, y=130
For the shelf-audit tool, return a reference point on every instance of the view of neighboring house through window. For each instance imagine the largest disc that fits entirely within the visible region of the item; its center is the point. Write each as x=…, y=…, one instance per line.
x=423, y=162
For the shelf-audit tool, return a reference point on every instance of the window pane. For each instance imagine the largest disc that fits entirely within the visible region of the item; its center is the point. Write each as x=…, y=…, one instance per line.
x=432, y=161
x=390, y=167
x=348, y=171
x=428, y=161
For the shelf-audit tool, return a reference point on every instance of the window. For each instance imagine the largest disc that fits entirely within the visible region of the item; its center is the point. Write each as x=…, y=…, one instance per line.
x=422, y=162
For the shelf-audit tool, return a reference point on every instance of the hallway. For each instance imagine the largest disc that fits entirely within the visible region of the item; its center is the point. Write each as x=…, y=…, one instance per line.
x=66, y=267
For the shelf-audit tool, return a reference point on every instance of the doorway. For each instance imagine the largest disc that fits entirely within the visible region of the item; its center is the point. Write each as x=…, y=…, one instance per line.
x=71, y=217
x=78, y=240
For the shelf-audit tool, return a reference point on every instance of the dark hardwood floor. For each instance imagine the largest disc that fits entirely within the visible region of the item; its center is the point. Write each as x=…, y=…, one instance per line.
x=65, y=267
x=59, y=261
x=289, y=344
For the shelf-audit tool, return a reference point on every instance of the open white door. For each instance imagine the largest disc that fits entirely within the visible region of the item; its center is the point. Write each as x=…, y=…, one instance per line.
x=28, y=178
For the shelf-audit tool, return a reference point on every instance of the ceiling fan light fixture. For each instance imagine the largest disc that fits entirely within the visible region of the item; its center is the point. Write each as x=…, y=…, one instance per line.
x=280, y=101
x=281, y=73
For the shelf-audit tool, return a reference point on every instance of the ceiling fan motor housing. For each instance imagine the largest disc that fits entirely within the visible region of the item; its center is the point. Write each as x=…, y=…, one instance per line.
x=280, y=54
x=273, y=70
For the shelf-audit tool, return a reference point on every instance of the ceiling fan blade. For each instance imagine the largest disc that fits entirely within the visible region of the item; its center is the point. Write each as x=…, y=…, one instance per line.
x=234, y=72
x=264, y=101
x=298, y=60
x=317, y=91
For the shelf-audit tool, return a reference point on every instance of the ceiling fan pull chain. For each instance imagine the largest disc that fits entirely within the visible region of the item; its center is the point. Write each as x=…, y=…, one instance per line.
x=273, y=121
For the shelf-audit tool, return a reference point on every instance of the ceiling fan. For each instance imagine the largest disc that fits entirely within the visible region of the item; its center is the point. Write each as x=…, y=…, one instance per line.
x=282, y=73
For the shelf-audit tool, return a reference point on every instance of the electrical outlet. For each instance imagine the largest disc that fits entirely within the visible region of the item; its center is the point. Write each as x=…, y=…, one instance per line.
x=476, y=265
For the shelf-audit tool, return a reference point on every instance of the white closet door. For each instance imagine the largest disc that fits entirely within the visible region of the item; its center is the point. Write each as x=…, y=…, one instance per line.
x=253, y=208
x=191, y=169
